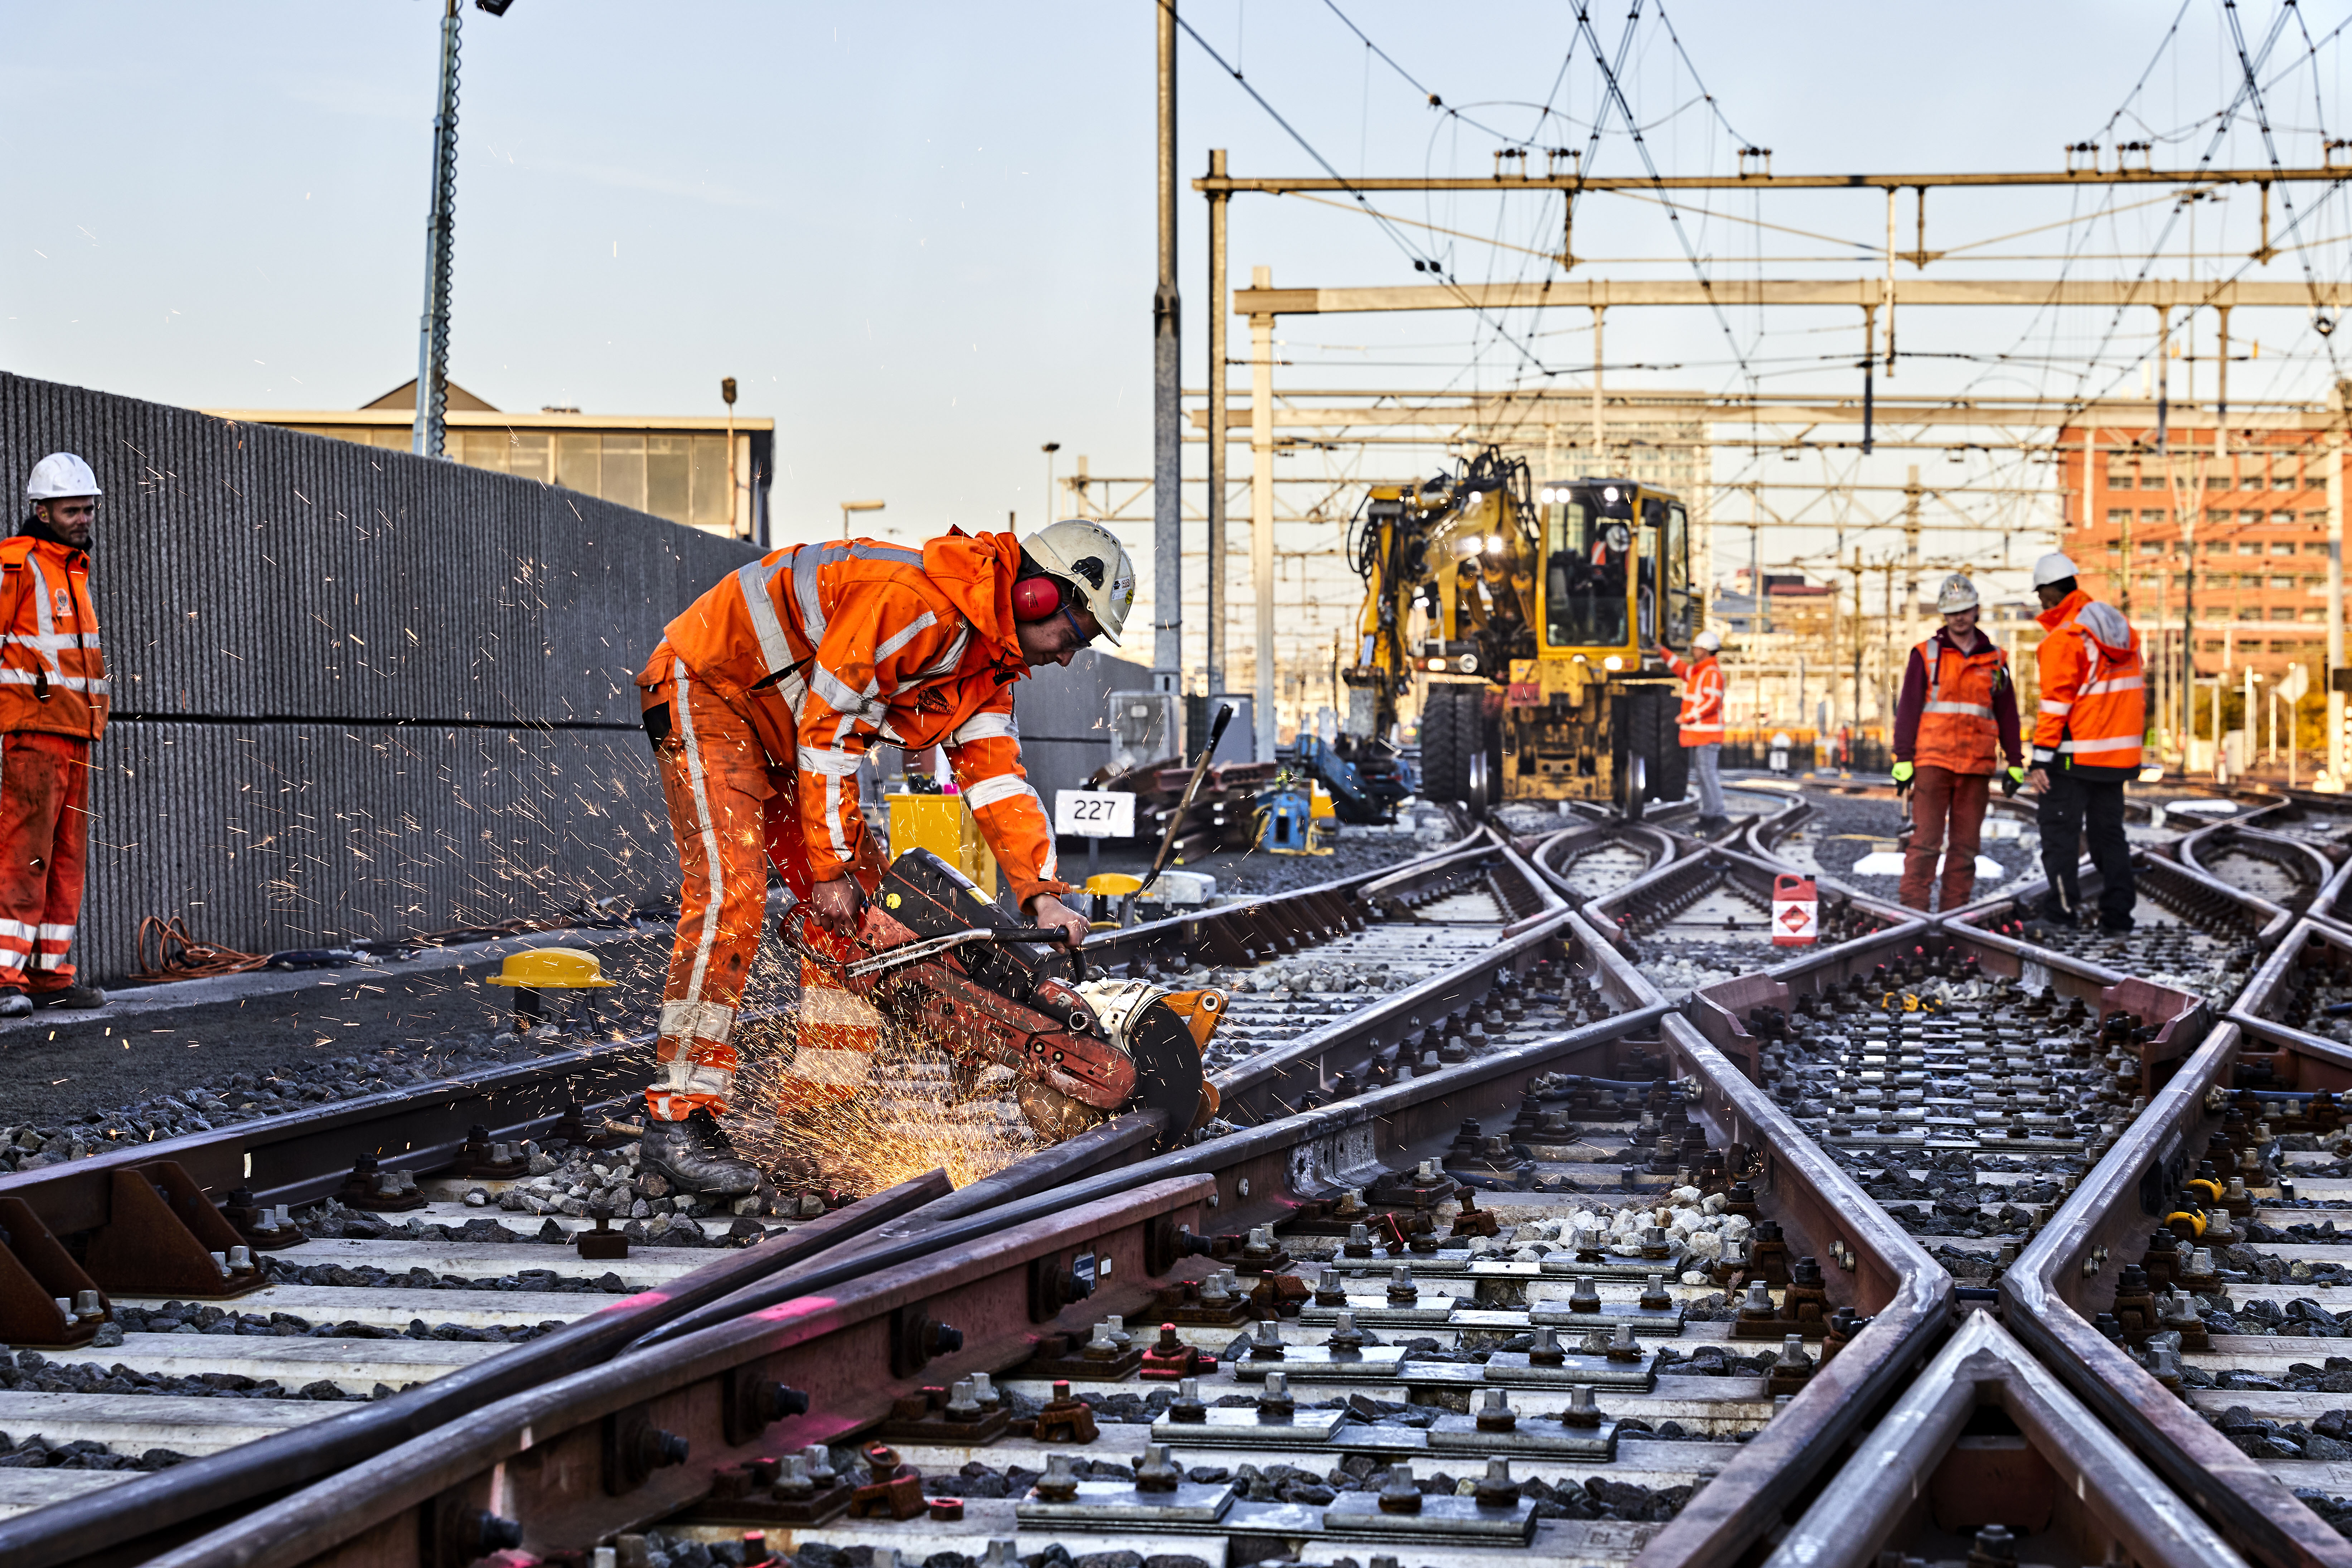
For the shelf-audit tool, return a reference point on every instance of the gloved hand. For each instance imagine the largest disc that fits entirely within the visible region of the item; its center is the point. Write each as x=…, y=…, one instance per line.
x=1903, y=772
x=2011, y=781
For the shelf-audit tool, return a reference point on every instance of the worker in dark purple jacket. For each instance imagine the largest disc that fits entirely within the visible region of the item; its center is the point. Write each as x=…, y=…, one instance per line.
x=1958, y=705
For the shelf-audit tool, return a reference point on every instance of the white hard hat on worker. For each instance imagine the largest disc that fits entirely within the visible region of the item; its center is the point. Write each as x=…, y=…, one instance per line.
x=1958, y=594
x=58, y=475
x=1088, y=560
x=2052, y=568
x=1707, y=641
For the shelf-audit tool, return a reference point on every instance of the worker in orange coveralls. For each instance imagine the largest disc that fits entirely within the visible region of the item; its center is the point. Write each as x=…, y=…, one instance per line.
x=53, y=706
x=761, y=701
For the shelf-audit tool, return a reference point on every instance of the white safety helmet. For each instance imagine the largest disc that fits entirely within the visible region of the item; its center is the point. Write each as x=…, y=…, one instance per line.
x=1090, y=558
x=1958, y=594
x=58, y=475
x=1706, y=641
x=2054, y=567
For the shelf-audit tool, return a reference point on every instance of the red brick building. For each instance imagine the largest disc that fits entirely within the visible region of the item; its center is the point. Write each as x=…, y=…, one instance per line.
x=2256, y=517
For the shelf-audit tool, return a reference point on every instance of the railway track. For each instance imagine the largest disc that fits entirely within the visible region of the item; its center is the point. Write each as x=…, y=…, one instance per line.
x=1547, y=1215
x=214, y=1392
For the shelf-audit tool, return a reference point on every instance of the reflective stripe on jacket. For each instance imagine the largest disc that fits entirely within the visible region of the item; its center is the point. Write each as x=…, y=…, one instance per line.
x=52, y=672
x=1957, y=726
x=2094, y=691
x=827, y=648
x=1702, y=714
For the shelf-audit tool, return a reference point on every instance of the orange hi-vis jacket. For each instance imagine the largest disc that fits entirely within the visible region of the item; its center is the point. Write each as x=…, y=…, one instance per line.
x=827, y=648
x=52, y=672
x=1957, y=728
x=2094, y=691
x=1702, y=714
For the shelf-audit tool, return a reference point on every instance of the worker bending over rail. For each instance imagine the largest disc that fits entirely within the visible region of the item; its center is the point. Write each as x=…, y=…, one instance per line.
x=53, y=707
x=761, y=699
x=2086, y=743
x=1700, y=724
x=1956, y=717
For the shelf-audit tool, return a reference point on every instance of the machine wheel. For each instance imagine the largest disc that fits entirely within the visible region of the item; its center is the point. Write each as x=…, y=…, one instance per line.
x=1653, y=737
x=1451, y=729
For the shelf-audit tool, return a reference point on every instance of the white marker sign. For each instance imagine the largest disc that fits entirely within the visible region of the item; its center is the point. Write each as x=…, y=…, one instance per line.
x=1094, y=814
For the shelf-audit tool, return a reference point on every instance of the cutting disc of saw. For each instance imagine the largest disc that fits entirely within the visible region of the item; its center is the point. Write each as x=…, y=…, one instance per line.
x=1167, y=1067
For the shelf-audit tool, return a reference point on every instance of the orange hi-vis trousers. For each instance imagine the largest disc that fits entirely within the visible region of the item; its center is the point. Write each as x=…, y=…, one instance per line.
x=733, y=814
x=44, y=853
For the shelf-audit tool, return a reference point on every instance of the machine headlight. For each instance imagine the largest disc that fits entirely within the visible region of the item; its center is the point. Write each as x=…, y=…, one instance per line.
x=1550, y=497
x=1437, y=664
x=1494, y=544
x=1613, y=662
x=1467, y=664
x=1609, y=494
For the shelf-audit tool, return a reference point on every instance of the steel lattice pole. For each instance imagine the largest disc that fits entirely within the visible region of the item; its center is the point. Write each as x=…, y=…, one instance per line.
x=433, y=330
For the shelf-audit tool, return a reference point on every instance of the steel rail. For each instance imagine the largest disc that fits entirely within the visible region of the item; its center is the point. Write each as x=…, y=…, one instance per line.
x=1257, y=1165
x=544, y=1457
x=2308, y=869
x=2101, y=1495
x=1907, y=1294
x=1259, y=1175
x=300, y=1157
x=134, y=1520
x=2069, y=1273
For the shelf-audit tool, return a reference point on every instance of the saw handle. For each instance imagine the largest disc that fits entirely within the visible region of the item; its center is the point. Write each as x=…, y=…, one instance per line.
x=1056, y=936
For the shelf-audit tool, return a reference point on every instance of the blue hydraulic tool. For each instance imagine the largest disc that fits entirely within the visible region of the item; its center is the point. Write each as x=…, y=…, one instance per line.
x=1364, y=794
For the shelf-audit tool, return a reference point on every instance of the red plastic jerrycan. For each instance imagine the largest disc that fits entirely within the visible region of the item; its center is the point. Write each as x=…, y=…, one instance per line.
x=1796, y=911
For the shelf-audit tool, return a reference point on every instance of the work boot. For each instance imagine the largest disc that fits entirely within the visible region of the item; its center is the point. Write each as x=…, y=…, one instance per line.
x=696, y=1157
x=15, y=1003
x=78, y=997
x=1709, y=827
x=2114, y=925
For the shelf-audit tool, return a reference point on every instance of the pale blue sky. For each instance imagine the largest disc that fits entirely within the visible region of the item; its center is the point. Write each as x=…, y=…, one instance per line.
x=921, y=234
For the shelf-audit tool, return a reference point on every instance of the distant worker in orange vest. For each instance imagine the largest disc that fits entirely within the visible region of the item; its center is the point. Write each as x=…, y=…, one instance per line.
x=761, y=699
x=53, y=708
x=2086, y=743
x=1702, y=724
x=1956, y=719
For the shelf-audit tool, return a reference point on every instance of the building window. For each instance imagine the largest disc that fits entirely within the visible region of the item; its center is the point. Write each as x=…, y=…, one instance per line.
x=2313, y=615
x=2248, y=547
x=2314, y=519
x=2282, y=547
x=2314, y=550
x=2248, y=519
x=2283, y=482
x=2150, y=547
x=2119, y=518
x=2281, y=582
x=2152, y=517
x=2280, y=612
x=579, y=463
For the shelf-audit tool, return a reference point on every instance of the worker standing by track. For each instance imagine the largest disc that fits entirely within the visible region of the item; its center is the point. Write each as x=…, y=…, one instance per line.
x=1701, y=724
x=760, y=700
x=53, y=707
x=2086, y=743
x=1956, y=717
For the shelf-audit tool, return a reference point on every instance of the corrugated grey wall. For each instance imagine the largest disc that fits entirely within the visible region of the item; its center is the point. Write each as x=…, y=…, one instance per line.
x=358, y=692
x=1061, y=714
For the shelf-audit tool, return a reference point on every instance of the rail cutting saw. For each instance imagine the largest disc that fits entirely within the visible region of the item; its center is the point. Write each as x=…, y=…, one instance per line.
x=936, y=955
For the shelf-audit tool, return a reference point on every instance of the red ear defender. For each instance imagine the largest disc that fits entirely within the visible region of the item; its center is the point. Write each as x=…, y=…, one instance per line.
x=1034, y=598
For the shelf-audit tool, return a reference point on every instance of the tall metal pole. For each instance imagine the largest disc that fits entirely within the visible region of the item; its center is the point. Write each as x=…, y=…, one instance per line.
x=1167, y=413
x=2336, y=605
x=1220, y=320
x=1262, y=510
x=1910, y=556
x=433, y=330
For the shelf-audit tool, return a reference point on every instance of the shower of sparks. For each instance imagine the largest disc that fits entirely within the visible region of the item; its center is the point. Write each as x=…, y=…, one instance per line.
x=913, y=1117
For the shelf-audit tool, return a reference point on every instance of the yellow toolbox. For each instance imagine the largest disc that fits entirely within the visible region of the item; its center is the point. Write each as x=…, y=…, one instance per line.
x=945, y=825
